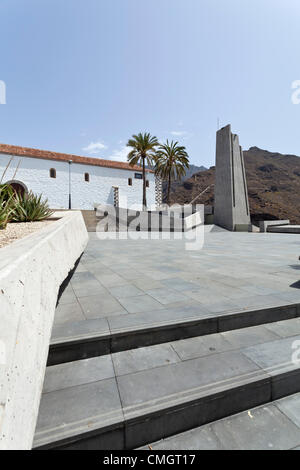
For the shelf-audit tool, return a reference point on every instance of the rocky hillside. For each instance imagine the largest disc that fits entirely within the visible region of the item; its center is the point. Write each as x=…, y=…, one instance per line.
x=190, y=172
x=273, y=186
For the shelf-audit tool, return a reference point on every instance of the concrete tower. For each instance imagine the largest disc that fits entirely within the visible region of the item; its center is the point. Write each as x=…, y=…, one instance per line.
x=231, y=195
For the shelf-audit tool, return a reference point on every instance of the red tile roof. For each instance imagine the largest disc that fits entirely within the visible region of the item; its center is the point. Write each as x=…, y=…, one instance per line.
x=65, y=157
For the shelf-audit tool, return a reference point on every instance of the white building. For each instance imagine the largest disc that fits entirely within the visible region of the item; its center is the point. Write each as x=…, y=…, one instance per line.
x=76, y=182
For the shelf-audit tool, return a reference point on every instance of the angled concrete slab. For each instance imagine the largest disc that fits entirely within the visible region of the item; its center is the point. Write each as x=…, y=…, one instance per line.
x=231, y=194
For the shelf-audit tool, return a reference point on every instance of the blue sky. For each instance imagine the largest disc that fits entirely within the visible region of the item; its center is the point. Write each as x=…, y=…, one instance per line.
x=83, y=75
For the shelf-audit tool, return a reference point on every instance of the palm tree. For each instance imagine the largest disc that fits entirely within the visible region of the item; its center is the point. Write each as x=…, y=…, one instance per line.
x=171, y=163
x=142, y=153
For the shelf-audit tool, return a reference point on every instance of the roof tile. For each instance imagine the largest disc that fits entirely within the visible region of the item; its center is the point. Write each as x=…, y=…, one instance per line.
x=65, y=157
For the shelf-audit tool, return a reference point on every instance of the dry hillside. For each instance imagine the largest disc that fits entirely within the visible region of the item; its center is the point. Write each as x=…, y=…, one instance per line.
x=273, y=185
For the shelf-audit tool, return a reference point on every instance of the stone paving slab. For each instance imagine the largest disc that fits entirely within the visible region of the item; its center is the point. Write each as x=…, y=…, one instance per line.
x=101, y=306
x=70, y=332
x=274, y=426
x=266, y=355
x=168, y=388
x=78, y=410
x=227, y=341
x=135, y=360
x=285, y=328
x=68, y=313
x=290, y=406
x=76, y=373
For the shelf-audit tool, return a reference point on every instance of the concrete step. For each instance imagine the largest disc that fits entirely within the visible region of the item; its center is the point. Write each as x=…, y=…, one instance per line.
x=275, y=426
x=131, y=398
x=284, y=229
x=95, y=337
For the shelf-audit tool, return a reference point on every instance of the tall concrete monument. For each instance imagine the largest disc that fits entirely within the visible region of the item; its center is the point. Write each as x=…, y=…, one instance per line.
x=231, y=195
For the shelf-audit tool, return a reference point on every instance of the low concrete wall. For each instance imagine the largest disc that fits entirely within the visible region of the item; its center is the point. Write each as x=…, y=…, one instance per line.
x=264, y=224
x=285, y=229
x=31, y=272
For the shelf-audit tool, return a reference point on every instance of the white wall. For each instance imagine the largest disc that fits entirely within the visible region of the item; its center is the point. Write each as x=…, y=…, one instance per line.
x=34, y=173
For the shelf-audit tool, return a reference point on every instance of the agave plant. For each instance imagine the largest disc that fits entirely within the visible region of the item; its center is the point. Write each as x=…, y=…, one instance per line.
x=6, y=195
x=29, y=208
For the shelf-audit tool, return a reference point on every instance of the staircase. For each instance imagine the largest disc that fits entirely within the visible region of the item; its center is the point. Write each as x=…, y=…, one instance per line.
x=133, y=385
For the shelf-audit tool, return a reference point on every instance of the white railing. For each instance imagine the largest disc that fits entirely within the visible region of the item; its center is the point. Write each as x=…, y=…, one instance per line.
x=199, y=195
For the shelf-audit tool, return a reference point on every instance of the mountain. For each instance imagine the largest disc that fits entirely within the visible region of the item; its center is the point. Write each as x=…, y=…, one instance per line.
x=273, y=186
x=189, y=173
x=192, y=170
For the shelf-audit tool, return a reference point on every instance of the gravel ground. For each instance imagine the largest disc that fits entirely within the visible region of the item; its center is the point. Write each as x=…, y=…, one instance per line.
x=19, y=230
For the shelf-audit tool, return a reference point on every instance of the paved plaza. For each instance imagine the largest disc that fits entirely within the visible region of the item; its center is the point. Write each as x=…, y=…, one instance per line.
x=129, y=283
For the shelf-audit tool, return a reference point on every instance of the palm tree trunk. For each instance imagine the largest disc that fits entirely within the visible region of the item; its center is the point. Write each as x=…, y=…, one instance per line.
x=144, y=186
x=169, y=189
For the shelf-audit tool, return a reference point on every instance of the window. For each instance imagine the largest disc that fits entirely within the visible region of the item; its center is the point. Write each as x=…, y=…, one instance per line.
x=138, y=176
x=86, y=177
x=52, y=173
x=129, y=181
x=147, y=183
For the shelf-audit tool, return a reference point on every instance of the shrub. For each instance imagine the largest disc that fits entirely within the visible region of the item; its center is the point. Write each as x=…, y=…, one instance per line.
x=6, y=195
x=29, y=208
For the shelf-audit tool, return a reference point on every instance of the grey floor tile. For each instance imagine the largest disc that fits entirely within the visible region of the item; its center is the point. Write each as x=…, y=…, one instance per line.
x=292, y=295
x=158, y=317
x=135, y=360
x=275, y=356
x=184, y=305
x=178, y=284
x=259, y=301
x=222, y=306
x=75, y=330
x=111, y=280
x=178, y=380
x=259, y=290
x=201, y=346
x=205, y=296
x=140, y=303
x=125, y=291
x=68, y=313
x=68, y=296
x=147, y=283
x=290, y=406
x=197, y=439
x=80, y=268
x=264, y=428
x=88, y=288
x=76, y=373
x=246, y=337
x=78, y=278
x=130, y=275
x=80, y=409
x=285, y=328
x=160, y=276
x=166, y=296
x=99, y=306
